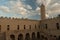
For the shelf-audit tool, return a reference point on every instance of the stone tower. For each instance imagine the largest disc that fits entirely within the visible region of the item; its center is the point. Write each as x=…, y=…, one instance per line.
x=43, y=16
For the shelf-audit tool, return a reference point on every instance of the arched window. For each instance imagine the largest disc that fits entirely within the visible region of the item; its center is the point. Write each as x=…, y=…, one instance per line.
x=55, y=37
x=20, y=37
x=29, y=26
x=57, y=25
x=24, y=26
x=8, y=27
x=27, y=36
x=33, y=36
x=0, y=28
x=18, y=27
x=39, y=26
x=46, y=26
x=35, y=26
x=12, y=37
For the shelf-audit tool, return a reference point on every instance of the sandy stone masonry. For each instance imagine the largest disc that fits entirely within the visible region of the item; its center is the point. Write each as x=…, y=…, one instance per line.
x=29, y=29
x=18, y=26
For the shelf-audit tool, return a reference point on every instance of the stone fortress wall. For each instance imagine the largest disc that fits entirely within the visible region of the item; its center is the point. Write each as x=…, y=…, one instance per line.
x=26, y=29
x=51, y=27
x=18, y=27
x=13, y=24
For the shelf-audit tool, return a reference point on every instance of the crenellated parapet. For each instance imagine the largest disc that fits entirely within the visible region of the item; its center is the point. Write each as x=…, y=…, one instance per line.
x=9, y=17
x=12, y=18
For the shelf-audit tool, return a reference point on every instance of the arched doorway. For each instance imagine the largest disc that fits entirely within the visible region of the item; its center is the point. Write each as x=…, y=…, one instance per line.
x=27, y=36
x=12, y=37
x=42, y=37
x=38, y=35
x=55, y=37
x=59, y=38
x=46, y=38
x=33, y=36
x=20, y=37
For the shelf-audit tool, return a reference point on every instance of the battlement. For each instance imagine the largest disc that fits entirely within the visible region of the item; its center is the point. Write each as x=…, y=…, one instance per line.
x=12, y=18
x=9, y=17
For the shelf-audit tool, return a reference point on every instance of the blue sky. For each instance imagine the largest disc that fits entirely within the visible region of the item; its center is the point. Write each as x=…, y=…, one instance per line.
x=28, y=8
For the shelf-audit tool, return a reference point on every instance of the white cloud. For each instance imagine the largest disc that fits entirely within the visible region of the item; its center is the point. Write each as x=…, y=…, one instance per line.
x=17, y=7
x=55, y=4
x=38, y=2
x=38, y=8
x=4, y=9
x=28, y=6
x=52, y=7
x=48, y=2
x=55, y=8
x=47, y=15
x=45, y=2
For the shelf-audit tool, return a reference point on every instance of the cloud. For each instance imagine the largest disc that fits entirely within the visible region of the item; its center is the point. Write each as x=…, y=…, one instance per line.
x=38, y=2
x=24, y=10
x=4, y=9
x=28, y=7
x=45, y=2
x=37, y=9
x=55, y=8
x=47, y=15
x=19, y=9
x=48, y=2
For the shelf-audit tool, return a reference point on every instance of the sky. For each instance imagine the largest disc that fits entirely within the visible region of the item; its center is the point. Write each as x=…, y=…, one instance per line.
x=28, y=8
